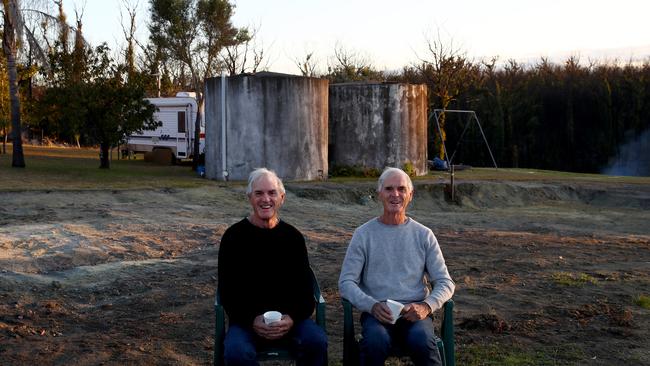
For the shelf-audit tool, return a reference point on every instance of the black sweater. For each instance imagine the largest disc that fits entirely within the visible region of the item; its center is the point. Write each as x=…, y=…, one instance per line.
x=262, y=270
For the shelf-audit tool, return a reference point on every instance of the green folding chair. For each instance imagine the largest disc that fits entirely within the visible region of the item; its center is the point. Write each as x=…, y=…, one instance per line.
x=445, y=343
x=264, y=353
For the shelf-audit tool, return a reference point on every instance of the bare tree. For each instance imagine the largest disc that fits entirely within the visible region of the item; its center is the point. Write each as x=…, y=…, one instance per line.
x=307, y=65
x=350, y=58
x=348, y=65
x=63, y=32
x=129, y=33
x=19, y=22
x=79, y=50
x=11, y=41
x=246, y=55
x=5, y=105
x=447, y=72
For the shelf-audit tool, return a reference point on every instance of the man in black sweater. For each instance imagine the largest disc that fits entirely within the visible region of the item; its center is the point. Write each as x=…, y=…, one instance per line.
x=263, y=266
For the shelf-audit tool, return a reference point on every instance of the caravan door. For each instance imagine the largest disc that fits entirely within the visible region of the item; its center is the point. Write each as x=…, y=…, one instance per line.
x=184, y=137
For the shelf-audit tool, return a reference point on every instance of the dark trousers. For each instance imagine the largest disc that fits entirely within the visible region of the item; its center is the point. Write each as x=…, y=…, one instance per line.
x=416, y=339
x=307, y=339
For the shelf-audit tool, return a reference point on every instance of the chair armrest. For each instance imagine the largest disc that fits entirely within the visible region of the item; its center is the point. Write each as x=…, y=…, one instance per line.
x=320, y=313
x=320, y=302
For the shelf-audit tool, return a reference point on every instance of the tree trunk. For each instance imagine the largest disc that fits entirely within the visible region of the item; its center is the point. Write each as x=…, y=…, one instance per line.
x=443, y=136
x=10, y=47
x=4, y=140
x=104, y=162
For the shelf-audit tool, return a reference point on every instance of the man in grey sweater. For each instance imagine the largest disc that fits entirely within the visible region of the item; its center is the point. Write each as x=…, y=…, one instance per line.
x=395, y=257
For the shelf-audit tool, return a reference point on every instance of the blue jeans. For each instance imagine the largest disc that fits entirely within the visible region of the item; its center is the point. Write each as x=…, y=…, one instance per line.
x=416, y=339
x=308, y=340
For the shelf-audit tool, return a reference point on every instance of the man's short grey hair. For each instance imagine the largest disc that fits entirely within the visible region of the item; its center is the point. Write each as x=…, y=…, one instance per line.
x=258, y=173
x=390, y=171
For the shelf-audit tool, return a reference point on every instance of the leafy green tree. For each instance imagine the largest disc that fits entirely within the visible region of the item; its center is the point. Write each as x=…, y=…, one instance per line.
x=106, y=105
x=194, y=33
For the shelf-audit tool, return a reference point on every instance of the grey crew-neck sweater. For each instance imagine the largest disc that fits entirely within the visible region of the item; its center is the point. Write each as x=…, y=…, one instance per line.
x=394, y=262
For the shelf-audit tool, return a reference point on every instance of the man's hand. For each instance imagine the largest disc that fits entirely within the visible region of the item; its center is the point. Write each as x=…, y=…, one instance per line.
x=416, y=311
x=382, y=312
x=272, y=331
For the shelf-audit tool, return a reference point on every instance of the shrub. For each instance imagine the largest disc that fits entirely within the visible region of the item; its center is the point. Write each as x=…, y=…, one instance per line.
x=409, y=169
x=354, y=171
x=643, y=301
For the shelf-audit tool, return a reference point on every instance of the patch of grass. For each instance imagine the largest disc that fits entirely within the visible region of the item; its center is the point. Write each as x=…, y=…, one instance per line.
x=518, y=174
x=643, y=301
x=507, y=355
x=54, y=168
x=572, y=279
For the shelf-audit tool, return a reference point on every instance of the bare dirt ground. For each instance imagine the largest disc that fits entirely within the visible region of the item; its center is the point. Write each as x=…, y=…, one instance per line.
x=547, y=270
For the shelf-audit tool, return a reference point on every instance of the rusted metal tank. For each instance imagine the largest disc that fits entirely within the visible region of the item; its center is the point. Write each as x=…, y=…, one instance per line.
x=375, y=125
x=272, y=120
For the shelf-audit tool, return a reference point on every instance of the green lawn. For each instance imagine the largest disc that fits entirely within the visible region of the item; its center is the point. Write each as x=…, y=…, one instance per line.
x=59, y=168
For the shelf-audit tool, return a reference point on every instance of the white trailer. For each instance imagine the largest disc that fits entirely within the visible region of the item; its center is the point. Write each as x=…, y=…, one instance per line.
x=176, y=117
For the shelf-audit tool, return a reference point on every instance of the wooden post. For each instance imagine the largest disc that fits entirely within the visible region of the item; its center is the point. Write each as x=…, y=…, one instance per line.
x=451, y=170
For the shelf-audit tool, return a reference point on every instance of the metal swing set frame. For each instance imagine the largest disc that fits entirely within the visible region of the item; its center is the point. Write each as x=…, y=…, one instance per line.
x=471, y=117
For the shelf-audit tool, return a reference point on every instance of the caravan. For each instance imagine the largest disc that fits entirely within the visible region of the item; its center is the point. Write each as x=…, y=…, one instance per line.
x=176, y=117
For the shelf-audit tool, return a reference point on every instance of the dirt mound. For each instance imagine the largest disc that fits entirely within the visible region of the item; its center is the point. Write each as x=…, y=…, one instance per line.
x=480, y=195
x=518, y=194
x=491, y=322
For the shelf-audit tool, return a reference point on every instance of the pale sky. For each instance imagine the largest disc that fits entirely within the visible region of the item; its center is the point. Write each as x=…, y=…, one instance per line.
x=393, y=33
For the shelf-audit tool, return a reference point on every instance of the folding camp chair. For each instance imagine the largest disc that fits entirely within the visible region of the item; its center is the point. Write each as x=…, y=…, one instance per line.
x=445, y=345
x=264, y=353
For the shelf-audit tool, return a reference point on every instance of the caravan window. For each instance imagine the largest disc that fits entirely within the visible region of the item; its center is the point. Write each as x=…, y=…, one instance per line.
x=181, y=121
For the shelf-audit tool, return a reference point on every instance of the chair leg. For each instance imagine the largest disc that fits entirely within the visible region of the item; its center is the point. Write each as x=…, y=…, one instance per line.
x=447, y=333
x=219, y=335
x=350, y=345
x=441, y=349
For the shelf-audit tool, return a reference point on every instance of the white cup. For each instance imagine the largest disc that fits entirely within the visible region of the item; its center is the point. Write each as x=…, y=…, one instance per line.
x=272, y=317
x=395, y=308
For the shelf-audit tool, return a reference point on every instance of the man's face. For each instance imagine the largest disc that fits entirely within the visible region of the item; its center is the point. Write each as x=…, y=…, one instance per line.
x=395, y=194
x=266, y=198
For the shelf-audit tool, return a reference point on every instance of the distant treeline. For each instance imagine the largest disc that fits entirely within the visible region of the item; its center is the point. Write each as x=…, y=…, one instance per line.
x=569, y=117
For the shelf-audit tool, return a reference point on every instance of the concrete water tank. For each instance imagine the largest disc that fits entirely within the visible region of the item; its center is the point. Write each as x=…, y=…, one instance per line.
x=375, y=125
x=277, y=121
